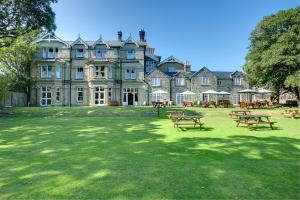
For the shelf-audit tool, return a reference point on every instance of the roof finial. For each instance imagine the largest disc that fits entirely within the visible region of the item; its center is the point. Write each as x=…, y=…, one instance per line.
x=78, y=35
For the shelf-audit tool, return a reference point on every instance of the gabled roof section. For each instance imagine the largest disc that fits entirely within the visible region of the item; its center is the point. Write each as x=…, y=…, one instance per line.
x=171, y=59
x=50, y=37
x=100, y=41
x=237, y=72
x=130, y=41
x=79, y=41
x=159, y=71
x=200, y=70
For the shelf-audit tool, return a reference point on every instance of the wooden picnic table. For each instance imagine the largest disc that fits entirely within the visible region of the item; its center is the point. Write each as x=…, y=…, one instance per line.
x=250, y=120
x=174, y=113
x=159, y=103
x=186, y=120
x=187, y=103
x=235, y=113
x=290, y=113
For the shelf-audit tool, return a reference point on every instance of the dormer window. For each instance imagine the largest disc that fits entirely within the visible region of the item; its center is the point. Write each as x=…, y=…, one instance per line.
x=130, y=54
x=101, y=53
x=79, y=53
x=237, y=81
x=171, y=69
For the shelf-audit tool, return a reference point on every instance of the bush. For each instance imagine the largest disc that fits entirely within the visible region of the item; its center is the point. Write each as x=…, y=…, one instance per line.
x=291, y=103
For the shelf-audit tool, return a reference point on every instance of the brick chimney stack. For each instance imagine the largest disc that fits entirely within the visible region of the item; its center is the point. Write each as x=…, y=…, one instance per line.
x=142, y=35
x=120, y=36
x=187, y=66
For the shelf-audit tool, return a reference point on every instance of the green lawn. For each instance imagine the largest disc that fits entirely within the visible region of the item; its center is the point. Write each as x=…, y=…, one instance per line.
x=121, y=153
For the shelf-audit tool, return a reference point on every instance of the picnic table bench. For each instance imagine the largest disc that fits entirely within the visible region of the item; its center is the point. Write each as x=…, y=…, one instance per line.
x=250, y=120
x=186, y=120
x=290, y=113
x=174, y=113
x=235, y=113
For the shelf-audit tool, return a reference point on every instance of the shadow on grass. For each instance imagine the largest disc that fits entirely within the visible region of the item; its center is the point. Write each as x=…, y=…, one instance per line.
x=131, y=157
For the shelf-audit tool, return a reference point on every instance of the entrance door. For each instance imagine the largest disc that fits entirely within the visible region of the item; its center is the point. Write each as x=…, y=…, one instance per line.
x=130, y=96
x=130, y=99
x=99, y=96
x=45, y=96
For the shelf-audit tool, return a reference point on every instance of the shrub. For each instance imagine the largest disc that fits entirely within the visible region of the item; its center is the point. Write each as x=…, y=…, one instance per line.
x=291, y=103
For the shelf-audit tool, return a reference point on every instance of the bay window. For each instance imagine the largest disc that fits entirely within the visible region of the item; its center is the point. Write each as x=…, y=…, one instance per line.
x=79, y=73
x=79, y=53
x=101, y=53
x=58, y=72
x=46, y=71
x=237, y=81
x=130, y=54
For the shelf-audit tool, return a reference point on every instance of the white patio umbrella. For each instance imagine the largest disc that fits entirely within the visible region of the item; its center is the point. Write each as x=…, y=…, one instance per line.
x=159, y=92
x=209, y=92
x=223, y=93
x=188, y=93
x=249, y=92
x=263, y=91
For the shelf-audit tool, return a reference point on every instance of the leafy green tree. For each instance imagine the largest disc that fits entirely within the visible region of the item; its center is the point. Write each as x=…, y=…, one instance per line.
x=18, y=17
x=274, y=53
x=15, y=61
x=4, y=87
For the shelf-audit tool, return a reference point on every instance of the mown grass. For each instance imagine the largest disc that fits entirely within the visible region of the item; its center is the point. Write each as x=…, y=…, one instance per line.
x=122, y=153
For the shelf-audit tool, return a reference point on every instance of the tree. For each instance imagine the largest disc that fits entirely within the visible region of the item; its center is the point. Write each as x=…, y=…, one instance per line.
x=274, y=53
x=15, y=61
x=18, y=17
x=4, y=87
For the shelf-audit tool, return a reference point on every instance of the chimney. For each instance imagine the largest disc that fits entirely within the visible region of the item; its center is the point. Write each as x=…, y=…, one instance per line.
x=120, y=36
x=187, y=66
x=142, y=35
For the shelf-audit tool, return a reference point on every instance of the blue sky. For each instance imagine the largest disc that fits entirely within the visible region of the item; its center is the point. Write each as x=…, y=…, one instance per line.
x=211, y=33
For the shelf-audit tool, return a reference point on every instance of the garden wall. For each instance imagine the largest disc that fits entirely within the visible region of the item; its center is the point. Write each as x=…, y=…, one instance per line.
x=14, y=99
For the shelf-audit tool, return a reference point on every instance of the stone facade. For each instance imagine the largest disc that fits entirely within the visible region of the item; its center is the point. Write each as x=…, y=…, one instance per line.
x=123, y=72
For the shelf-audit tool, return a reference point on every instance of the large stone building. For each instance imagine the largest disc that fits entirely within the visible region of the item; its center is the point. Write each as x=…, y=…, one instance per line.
x=124, y=72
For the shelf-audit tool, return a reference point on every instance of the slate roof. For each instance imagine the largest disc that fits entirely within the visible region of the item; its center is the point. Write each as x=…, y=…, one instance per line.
x=111, y=43
x=175, y=74
x=222, y=75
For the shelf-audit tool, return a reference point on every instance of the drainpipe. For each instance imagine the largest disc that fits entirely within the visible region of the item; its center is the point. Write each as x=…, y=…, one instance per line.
x=70, y=95
x=171, y=89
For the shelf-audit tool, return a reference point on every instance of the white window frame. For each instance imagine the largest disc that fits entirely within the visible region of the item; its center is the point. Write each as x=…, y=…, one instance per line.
x=133, y=74
x=80, y=91
x=79, y=75
x=46, y=98
x=156, y=97
x=149, y=65
x=173, y=69
x=204, y=80
x=130, y=54
x=127, y=73
x=100, y=70
x=180, y=81
x=58, y=95
x=237, y=81
x=48, y=71
x=79, y=54
x=101, y=53
x=58, y=71
x=50, y=54
x=155, y=81
x=98, y=91
x=110, y=73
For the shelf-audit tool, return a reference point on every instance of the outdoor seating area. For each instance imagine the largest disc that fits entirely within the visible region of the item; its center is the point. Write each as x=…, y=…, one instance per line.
x=246, y=117
x=180, y=118
x=290, y=113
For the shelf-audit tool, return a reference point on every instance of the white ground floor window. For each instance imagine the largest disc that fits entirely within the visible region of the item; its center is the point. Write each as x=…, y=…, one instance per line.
x=130, y=96
x=179, y=98
x=156, y=97
x=99, y=96
x=46, y=96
